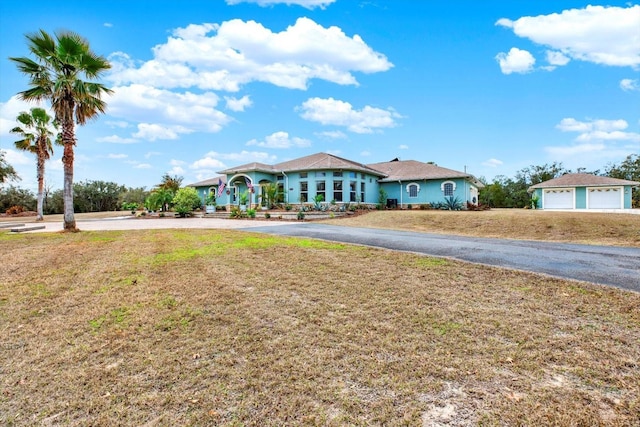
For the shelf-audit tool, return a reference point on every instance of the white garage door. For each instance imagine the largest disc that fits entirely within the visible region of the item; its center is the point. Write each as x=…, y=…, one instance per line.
x=558, y=199
x=604, y=198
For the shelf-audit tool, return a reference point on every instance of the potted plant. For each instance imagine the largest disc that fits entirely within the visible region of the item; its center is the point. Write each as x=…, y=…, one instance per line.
x=244, y=198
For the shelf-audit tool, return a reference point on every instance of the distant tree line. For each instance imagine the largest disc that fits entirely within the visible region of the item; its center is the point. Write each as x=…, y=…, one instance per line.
x=98, y=196
x=504, y=192
x=95, y=196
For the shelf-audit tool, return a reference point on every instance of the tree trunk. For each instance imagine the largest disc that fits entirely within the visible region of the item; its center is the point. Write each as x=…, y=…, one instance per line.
x=68, y=138
x=40, y=167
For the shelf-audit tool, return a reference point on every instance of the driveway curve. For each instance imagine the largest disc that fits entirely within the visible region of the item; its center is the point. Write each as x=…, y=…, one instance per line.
x=607, y=265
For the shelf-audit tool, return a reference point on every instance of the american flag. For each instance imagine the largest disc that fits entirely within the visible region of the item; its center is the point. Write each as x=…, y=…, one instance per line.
x=220, y=187
x=249, y=186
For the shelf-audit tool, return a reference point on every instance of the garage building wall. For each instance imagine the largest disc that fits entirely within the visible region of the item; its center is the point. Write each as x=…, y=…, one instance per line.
x=581, y=197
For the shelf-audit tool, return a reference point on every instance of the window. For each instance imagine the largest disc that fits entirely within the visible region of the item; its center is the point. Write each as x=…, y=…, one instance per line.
x=337, y=191
x=280, y=177
x=353, y=189
x=413, y=190
x=320, y=189
x=362, y=186
x=448, y=189
x=303, y=174
x=353, y=175
x=362, y=176
x=304, y=191
x=320, y=174
x=337, y=174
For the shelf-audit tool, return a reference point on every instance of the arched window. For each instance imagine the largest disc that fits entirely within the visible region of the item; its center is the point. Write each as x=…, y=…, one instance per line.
x=448, y=187
x=413, y=189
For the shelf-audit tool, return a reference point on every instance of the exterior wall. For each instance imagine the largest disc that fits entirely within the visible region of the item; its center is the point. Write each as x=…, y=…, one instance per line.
x=580, y=198
x=293, y=182
x=628, y=190
x=429, y=191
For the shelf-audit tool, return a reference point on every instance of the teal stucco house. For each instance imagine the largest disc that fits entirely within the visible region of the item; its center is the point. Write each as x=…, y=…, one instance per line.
x=340, y=181
x=585, y=192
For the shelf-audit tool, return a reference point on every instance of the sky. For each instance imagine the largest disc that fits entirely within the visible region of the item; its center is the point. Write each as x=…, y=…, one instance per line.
x=490, y=87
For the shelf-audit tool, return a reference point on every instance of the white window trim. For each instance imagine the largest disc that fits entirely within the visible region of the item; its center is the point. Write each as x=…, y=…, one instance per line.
x=448, y=182
x=417, y=185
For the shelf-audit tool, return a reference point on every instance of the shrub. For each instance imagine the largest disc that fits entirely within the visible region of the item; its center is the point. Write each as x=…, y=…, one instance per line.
x=267, y=215
x=300, y=215
x=409, y=206
x=452, y=203
x=425, y=206
x=186, y=200
x=251, y=213
x=288, y=207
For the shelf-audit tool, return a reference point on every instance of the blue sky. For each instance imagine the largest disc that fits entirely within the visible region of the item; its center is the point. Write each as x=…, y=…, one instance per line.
x=199, y=86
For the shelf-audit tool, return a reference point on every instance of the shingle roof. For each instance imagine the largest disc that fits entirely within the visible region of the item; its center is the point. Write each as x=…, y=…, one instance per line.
x=318, y=161
x=249, y=167
x=209, y=182
x=405, y=170
x=321, y=161
x=582, y=180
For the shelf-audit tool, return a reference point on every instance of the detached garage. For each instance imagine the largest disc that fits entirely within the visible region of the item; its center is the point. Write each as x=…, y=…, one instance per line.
x=584, y=191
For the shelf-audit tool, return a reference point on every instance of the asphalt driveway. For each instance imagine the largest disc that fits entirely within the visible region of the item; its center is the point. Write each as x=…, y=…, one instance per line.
x=607, y=265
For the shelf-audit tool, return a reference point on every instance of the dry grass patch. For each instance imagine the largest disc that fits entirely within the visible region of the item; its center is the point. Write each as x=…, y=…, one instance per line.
x=201, y=327
x=524, y=224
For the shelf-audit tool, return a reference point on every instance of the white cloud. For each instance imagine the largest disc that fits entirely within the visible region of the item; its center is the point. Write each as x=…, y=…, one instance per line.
x=332, y=134
x=492, y=163
x=117, y=156
x=176, y=170
x=598, y=34
x=597, y=140
x=115, y=139
x=309, y=4
x=340, y=113
x=117, y=124
x=14, y=157
x=213, y=161
x=175, y=162
x=143, y=166
x=557, y=58
x=572, y=125
x=365, y=153
x=403, y=147
x=152, y=132
x=280, y=140
x=629, y=85
x=238, y=105
x=163, y=114
x=151, y=154
x=516, y=61
x=228, y=55
x=9, y=111
x=108, y=24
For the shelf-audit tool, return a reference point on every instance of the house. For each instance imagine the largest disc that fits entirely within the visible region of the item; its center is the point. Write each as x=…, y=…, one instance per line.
x=584, y=191
x=338, y=180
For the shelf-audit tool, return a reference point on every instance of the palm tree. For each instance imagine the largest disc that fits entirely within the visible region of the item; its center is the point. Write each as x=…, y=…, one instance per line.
x=56, y=75
x=36, y=139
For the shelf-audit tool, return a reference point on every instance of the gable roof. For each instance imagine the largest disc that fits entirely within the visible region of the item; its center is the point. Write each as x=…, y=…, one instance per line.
x=407, y=170
x=582, y=180
x=208, y=182
x=318, y=161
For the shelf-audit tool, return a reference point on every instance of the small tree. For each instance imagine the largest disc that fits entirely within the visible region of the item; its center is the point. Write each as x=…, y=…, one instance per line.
x=186, y=200
x=382, y=198
x=7, y=172
x=35, y=134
